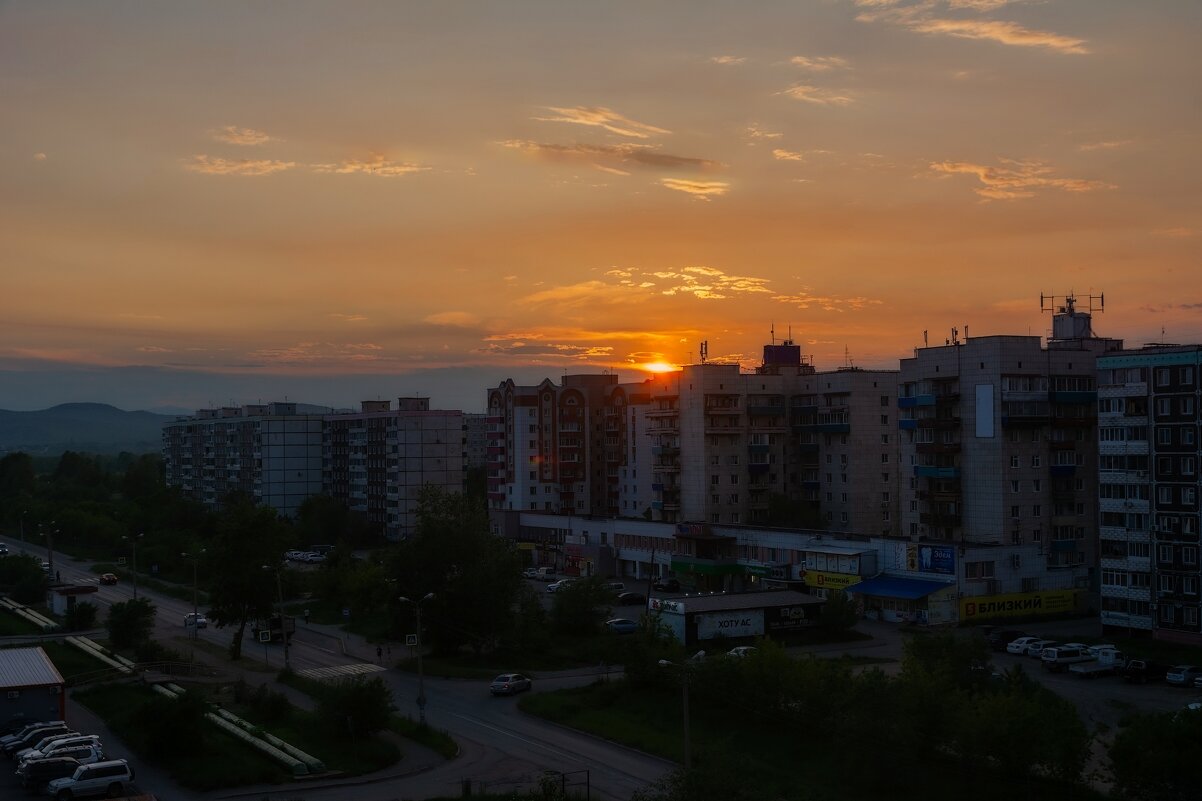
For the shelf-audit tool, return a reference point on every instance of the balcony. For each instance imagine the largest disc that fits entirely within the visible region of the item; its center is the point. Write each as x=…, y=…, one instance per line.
x=823, y=428
x=1062, y=396
x=907, y=425
x=938, y=447
x=1026, y=419
x=940, y=520
x=1063, y=470
x=766, y=410
x=1069, y=445
x=666, y=467
x=755, y=469
x=757, y=447
x=930, y=471
x=665, y=450
x=915, y=401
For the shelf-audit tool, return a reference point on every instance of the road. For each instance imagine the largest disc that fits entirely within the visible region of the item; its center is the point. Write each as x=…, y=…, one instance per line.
x=502, y=747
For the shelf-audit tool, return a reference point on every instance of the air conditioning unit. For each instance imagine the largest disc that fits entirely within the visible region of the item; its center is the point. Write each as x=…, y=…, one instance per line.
x=14, y=694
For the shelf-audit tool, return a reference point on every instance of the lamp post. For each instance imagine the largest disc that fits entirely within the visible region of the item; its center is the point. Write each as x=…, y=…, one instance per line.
x=684, y=702
x=421, y=679
x=195, y=592
x=279, y=586
x=48, y=532
x=133, y=546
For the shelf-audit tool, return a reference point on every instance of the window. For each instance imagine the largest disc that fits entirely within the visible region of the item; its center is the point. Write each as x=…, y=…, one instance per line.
x=913, y=506
x=1189, y=556
x=734, y=497
x=1037, y=511
x=1164, y=553
x=884, y=400
x=715, y=498
x=1163, y=407
x=884, y=419
x=734, y=478
x=1037, y=485
x=885, y=497
x=978, y=570
x=1187, y=465
x=1189, y=615
x=1164, y=495
x=1014, y=512
x=1015, y=486
x=844, y=497
x=714, y=480
x=1162, y=376
x=884, y=478
x=1187, y=406
x=1114, y=578
x=1167, y=614
x=1189, y=585
x=1014, y=462
x=1188, y=496
x=1187, y=435
x=1143, y=580
x=884, y=458
x=1035, y=460
x=843, y=517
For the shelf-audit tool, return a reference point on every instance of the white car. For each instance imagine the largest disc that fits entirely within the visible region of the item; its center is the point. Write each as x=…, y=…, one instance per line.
x=741, y=651
x=556, y=586
x=294, y=556
x=1020, y=645
x=109, y=778
x=196, y=619
x=1035, y=649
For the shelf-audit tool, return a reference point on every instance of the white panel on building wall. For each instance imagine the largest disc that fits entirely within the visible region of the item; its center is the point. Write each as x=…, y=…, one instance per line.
x=741, y=623
x=985, y=410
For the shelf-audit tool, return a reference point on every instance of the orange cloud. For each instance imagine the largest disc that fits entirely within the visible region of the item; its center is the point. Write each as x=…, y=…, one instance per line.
x=601, y=117
x=606, y=156
x=702, y=190
x=820, y=63
x=780, y=154
x=918, y=17
x=1017, y=179
x=377, y=165
x=729, y=61
x=818, y=95
x=207, y=165
x=232, y=134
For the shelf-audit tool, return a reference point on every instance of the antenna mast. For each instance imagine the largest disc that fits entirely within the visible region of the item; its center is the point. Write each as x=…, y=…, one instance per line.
x=705, y=350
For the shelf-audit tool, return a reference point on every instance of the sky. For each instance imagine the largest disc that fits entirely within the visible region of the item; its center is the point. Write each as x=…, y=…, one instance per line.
x=226, y=202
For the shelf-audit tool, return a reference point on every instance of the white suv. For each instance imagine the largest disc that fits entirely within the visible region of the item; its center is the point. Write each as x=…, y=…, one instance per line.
x=100, y=778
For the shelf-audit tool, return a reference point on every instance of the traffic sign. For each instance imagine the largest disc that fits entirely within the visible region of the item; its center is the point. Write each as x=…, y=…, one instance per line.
x=410, y=639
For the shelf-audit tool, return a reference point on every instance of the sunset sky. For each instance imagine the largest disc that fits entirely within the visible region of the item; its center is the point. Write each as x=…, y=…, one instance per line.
x=208, y=203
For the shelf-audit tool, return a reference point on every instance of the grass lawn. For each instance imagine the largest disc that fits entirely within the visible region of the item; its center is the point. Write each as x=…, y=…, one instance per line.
x=120, y=704
x=563, y=653
x=73, y=663
x=251, y=659
x=789, y=763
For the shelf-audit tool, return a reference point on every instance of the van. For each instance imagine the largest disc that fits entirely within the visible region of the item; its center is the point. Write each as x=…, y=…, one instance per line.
x=615, y=586
x=544, y=573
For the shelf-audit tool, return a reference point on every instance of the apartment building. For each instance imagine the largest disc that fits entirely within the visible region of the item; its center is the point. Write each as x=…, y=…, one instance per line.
x=379, y=460
x=268, y=451
x=475, y=433
x=561, y=448
x=376, y=460
x=999, y=447
x=1148, y=482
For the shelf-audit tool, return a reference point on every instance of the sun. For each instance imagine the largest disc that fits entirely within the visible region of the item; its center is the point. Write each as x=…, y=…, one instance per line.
x=659, y=367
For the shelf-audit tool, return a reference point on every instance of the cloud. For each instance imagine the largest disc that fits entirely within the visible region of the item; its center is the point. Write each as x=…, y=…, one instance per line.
x=610, y=156
x=820, y=63
x=348, y=318
x=232, y=134
x=456, y=319
x=919, y=17
x=1107, y=145
x=730, y=61
x=218, y=166
x=780, y=154
x=39, y=156
x=1179, y=232
x=804, y=300
x=1016, y=179
x=601, y=117
x=153, y=349
x=313, y=353
x=753, y=132
x=529, y=350
x=376, y=165
x=818, y=95
x=702, y=190
x=585, y=293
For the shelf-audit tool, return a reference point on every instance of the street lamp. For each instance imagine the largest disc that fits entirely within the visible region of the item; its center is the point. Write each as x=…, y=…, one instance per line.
x=195, y=594
x=48, y=533
x=684, y=701
x=133, y=546
x=421, y=678
x=279, y=586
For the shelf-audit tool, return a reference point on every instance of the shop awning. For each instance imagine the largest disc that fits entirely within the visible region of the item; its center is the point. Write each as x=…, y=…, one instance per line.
x=896, y=587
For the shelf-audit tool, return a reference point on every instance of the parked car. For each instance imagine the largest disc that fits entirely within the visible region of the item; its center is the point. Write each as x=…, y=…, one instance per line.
x=25, y=729
x=108, y=579
x=741, y=651
x=621, y=625
x=32, y=734
x=60, y=744
x=632, y=599
x=315, y=557
x=1020, y=645
x=196, y=619
x=667, y=585
x=1035, y=649
x=3, y=549
x=1182, y=675
x=293, y=556
x=614, y=586
x=46, y=568
x=37, y=774
x=1139, y=671
x=556, y=586
x=510, y=684
x=530, y=573
x=83, y=753
x=41, y=742
x=998, y=639
x=100, y=778
x=1058, y=658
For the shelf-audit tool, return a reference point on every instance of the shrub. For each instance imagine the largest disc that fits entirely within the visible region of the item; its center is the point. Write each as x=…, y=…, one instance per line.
x=80, y=617
x=360, y=707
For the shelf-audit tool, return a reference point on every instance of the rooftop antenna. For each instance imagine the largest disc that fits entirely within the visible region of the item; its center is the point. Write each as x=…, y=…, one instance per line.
x=966, y=332
x=925, y=344
x=772, y=331
x=705, y=350
x=955, y=336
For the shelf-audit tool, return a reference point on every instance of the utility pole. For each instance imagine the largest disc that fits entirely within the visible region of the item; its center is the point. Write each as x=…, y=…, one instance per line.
x=421, y=678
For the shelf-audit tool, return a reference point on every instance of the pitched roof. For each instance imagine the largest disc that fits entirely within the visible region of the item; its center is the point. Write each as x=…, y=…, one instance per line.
x=27, y=667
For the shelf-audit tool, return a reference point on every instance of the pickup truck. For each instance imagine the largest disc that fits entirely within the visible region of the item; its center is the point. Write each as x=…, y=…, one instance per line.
x=1108, y=661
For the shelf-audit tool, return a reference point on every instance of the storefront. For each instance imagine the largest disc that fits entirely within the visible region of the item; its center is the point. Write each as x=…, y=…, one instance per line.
x=705, y=619
x=896, y=599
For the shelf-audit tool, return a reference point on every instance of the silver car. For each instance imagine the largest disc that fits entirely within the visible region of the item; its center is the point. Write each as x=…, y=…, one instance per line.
x=509, y=684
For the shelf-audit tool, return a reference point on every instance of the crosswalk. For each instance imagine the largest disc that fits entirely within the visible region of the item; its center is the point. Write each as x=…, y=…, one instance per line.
x=340, y=671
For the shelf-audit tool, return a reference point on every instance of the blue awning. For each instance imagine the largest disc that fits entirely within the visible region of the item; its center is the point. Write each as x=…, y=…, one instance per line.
x=897, y=587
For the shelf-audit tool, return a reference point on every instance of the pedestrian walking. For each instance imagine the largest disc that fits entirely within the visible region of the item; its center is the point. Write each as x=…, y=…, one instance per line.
x=379, y=654
x=306, y=616
x=389, y=650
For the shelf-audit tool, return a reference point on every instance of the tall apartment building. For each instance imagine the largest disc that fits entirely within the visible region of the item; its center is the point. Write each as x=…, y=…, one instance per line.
x=475, y=434
x=708, y=443
x=267, y=451
x=999, y=448
x=376, y=460
x=561, y=448
x=379, y=460
x=1148, y=432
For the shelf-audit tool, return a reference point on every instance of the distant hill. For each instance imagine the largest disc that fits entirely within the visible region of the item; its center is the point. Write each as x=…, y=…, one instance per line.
x=88, y=427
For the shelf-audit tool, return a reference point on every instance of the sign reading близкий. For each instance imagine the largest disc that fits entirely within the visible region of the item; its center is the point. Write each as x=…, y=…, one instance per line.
x=1025, y=604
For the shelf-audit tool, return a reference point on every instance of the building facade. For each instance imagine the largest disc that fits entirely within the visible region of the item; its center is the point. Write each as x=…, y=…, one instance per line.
x=1148, y=442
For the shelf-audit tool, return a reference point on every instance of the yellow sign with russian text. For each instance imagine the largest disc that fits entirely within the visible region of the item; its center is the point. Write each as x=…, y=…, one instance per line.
x=820, y=579
x=1026, y=604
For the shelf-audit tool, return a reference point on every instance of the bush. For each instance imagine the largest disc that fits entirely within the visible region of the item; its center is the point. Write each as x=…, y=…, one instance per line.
x=360, y=707
x=130, y=623
x=164, y=722
x=80, y=617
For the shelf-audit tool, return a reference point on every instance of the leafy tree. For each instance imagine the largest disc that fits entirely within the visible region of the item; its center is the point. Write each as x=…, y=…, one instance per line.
x=838, y=613
x=163, y=720
x=529, y=631
x=360, y=707
x=17, y=476
x=713, y=777
x=22, y=578
x=130, y=622
x=247, y=538
x=475, y=576
x=579, y=607
x=1155, y=758
x=143, y=479
x=80, y=617
x=322, y=519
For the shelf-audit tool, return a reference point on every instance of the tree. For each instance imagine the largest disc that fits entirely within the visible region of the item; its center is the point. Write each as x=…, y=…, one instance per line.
x=579, y=606
x=17, y=476
x=361, y=707
x=474, y=576
x=838, y=613
x=130, y=622
x=322, y=519
x=80, y=617
x=247, y=539
x=1156, y=757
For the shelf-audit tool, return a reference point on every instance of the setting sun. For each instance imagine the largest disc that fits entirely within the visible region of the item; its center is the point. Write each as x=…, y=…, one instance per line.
x=659, y=367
